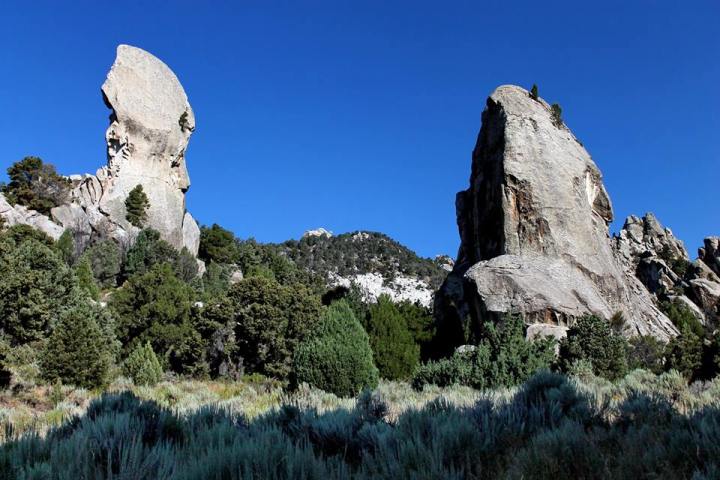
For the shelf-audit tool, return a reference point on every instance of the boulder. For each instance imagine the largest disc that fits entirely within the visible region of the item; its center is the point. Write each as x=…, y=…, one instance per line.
x=534, y=229
x=21, y=215
x=646, y=237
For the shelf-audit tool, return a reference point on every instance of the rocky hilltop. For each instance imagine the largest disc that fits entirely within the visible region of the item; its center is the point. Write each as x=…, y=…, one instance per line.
x=534, y=230
x=371, y=261
x=150, y=126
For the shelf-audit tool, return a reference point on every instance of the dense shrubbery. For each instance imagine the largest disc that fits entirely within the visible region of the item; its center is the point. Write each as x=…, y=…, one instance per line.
x=503, y=358
x=262, y=322
x=550, y=427
x=218, y=245
x=149, y=249
x=105, y=262
x=592, y=339
x=36, y=185
x=336, y=355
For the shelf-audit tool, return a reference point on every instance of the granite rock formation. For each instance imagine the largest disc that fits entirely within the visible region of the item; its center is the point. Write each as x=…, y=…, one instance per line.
x=150, y=126
x=534, y=230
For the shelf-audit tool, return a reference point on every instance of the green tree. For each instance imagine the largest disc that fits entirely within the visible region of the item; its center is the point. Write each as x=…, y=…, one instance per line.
x=218, y=245
x=502, y=358
x=534, y=92
x=36, y=185
x=105, y=261
x=85, y=278
x=78, y=351
x=556, y=112
x=143, y=366
x=336, y=355
x=155, y=307
x=149, y=249
x=646, y=352
x=394, y=348
x=136, y=205
x=264, y=322
x=65, y=246
x=684, y=353
x=420, y=322
x=592, y=339
x=682, y=317
x=35, y=287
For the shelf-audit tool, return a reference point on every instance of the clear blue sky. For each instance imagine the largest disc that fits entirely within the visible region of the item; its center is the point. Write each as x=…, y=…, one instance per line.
x=363, y=115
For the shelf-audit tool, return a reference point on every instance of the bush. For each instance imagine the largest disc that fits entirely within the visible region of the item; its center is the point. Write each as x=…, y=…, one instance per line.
x=78, y=351
x=105, y=262
x=503, y=358
x=65, y=247
x=263, y=322
x=336, y=355
x=218, y=245
x=682, y=317
x=592, y=339
x=684, y=353
x=35, y=286
x=646, y=352
x=143, y=366
x=36, y=185
x=394, y=349
x=136, y=205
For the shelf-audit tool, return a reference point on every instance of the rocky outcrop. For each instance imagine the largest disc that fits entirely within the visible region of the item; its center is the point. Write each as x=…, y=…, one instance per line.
x=150, y=126
x=534, y=229
x=20, y=215
x=710, y=254
x=660, y=261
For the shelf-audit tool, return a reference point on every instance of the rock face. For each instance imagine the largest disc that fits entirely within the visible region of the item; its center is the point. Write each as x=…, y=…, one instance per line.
x=710, y=254
x=645, y=237
x=534, y=229
x=150, y=126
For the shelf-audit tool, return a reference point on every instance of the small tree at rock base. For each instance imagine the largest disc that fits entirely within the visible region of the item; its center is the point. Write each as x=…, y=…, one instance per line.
x=136, y=205
x=336, y=355
x=592, y=339
x=143, y=366
x=78, y=351
x=395, y=351
x=85, y=278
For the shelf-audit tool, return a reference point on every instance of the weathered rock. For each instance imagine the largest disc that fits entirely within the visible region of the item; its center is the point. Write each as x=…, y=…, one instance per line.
x=318, y=232
x=710, y=253
x=656, y=275
x=534, y=229
x=707, y=296
x=646, y=237
x=21, y=215
x=696, y=311
x=150, y=126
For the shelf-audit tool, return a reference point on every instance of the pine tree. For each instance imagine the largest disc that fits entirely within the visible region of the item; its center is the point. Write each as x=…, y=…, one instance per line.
x=65, y=246
x=136, y=206
x=395, y=351
x=556, y=114
x=534, y=92
x=336, y=356
x=143, y=366
x=86, y=280
x=78, y=351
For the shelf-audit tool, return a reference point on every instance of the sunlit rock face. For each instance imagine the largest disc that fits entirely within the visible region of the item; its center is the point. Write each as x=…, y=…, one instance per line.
x=150, y=126
x=534, y=229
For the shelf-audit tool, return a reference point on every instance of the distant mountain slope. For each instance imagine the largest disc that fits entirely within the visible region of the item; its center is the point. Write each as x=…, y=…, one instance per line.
x=373, y=261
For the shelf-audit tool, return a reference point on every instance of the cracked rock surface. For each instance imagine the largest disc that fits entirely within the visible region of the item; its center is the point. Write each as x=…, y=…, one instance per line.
x=534, y=229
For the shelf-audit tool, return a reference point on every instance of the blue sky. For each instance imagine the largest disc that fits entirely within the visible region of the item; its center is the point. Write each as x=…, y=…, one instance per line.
x=363, y=115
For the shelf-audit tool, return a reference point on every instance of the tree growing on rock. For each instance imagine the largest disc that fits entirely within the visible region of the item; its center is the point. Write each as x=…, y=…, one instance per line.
x=36, y=185
x=136, y=206
x=556, y=112
x=534, y=92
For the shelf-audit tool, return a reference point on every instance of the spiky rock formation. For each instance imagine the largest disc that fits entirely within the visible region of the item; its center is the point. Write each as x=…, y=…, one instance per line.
x=150, y=126
x=534, y=229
